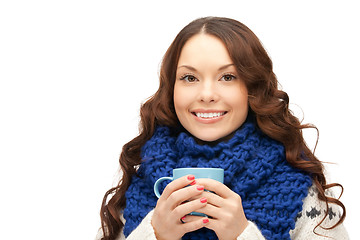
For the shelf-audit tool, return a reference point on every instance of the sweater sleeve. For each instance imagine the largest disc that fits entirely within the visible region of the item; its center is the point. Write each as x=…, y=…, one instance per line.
x=311, y=215
x=251, y=232
x=143, y=231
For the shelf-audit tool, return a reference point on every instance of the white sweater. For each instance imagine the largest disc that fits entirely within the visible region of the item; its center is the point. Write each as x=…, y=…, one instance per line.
x=312, y=213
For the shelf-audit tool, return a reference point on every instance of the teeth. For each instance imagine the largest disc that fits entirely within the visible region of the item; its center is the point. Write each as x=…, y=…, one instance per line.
x=209, y=115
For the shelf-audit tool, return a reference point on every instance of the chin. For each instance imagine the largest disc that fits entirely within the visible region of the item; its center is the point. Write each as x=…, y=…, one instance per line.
x=212, y=139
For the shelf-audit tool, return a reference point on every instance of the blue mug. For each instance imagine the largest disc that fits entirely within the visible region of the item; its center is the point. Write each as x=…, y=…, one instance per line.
x=212, y=173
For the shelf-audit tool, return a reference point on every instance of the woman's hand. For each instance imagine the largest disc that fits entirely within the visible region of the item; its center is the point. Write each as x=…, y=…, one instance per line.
x=172, y=207
x=228, y=217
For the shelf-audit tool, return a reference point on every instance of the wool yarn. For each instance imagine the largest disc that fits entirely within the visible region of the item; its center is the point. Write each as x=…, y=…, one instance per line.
x=254, y=166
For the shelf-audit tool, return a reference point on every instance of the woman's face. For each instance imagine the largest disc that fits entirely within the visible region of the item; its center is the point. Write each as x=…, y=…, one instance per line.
x=211, y=101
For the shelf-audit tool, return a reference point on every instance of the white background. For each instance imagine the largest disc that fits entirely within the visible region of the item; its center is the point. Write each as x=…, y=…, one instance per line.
x=74, y=73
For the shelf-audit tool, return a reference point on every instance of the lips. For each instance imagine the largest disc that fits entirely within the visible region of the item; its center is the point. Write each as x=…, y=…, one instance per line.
x=208, y=114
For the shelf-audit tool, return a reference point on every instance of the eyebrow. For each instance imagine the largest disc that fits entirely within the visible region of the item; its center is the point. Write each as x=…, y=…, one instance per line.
x=194, y=69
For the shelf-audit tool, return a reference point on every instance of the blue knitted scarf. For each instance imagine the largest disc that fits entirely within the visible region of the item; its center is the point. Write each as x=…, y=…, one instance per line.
x=254, y=167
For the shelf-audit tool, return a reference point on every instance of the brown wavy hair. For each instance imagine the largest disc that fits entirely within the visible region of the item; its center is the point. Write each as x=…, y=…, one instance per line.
x=268, y=104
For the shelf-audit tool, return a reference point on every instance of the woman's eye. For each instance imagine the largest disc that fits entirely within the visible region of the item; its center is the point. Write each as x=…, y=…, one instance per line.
x=228, y=77
x=188, y=78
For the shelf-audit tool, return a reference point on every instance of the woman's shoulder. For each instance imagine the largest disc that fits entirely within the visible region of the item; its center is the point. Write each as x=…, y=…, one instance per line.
x=313, y=211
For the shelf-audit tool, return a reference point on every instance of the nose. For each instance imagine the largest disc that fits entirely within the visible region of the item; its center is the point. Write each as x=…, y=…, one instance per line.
x=208, y=92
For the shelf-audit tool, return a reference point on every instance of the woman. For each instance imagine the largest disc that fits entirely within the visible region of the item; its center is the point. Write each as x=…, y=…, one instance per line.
x=218, y=106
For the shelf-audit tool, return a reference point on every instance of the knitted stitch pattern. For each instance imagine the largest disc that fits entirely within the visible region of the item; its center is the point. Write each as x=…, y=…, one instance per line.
x=254, y=166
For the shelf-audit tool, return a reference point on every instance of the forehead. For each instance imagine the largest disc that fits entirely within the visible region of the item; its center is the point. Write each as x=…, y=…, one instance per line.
x=204, y=49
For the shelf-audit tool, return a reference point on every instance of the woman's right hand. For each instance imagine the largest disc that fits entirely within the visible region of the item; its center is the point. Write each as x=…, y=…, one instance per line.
x=171, y=207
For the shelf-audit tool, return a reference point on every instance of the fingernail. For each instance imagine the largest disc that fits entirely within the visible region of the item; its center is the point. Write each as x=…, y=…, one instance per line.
x=205, y=220
x=191, y=177
x=203, y=200
x=200, y=188
x=193, y=182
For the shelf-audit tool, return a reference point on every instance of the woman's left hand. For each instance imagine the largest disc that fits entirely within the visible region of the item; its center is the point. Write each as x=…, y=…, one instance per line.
x=228, y=218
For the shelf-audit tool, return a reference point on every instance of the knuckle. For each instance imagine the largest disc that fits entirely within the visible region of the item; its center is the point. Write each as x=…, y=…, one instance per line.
x=169, y=188
x=187, y=228
x=176, y=212
x=192, y=206
x=234, y=207
x=228, y=217
x=216, y=183
x=233, y=204
x=191, y=226
x=159, y=206
x=237, y=198
x=198, y=224
x=172, y=197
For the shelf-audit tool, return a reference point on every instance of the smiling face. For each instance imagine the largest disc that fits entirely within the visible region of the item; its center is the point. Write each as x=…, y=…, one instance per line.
x=210, y=99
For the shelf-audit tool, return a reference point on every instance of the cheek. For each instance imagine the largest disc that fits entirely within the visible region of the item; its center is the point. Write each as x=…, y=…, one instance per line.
x=176, y=97
x=243, y=95
x=179, y=99
x=238, y=99
x=240, y=106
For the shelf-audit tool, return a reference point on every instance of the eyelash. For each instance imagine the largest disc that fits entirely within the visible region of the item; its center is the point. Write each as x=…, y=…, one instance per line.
x=183, y=77
x=228, y=75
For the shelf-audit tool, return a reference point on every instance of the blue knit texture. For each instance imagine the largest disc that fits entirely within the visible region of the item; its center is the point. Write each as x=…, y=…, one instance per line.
x=254, y=167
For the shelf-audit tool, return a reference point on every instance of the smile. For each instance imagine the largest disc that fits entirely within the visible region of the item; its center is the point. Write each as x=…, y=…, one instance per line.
x=208, y=115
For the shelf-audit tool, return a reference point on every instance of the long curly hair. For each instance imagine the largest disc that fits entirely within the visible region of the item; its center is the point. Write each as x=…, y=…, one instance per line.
x=268, y=104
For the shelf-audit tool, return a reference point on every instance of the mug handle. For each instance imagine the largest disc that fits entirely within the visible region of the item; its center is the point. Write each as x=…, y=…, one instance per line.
x=156, y=185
